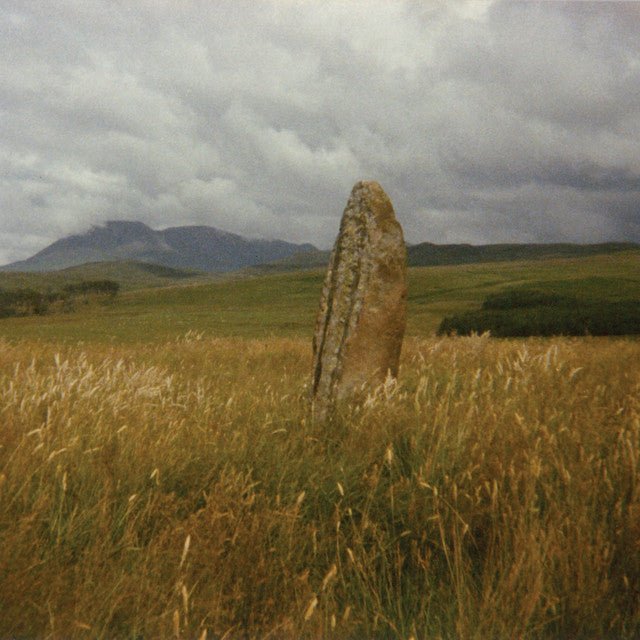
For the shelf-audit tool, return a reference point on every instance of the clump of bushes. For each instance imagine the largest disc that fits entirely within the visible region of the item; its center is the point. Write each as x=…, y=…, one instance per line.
x=88, y=287
x=525, y=299
x=524, y=312
x=29, y=302
x=22, y=302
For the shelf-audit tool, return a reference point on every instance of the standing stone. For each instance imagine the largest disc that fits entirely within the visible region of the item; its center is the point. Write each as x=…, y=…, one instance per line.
x=362, y=316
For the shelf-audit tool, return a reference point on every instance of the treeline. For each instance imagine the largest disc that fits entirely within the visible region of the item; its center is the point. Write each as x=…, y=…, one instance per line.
x=522, y=313
x=28, y=302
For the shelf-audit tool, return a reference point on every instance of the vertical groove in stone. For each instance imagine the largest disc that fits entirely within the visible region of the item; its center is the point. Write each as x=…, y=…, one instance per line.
x=352, y=300
x=328, y=289
x=361, y=320
x=339, y=271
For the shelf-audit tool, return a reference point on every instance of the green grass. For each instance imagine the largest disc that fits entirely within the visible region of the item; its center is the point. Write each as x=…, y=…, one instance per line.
x=248, y=307
x=285, y=304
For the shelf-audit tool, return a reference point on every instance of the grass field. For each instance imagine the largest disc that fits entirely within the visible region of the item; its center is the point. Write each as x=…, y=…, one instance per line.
x=160, y=476
x=286, y=304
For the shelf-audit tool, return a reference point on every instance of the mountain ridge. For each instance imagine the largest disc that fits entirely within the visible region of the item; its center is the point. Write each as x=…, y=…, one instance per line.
x=212, y=250
x=199, y=247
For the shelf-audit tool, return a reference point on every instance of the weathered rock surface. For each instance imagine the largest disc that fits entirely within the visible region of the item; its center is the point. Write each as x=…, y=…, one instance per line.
x=362, y=316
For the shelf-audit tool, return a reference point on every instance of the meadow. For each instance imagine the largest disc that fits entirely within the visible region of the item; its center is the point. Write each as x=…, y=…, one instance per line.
x=160, y=476
x=153, y=308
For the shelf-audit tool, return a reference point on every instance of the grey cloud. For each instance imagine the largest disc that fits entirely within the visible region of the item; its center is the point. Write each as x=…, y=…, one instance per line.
x=589, y=176
x=484, y=121
x=554, y=61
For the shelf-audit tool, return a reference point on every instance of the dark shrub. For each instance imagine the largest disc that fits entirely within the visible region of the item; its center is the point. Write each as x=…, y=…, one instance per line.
x=27, y=302
x=522, y=313
x=104, y=287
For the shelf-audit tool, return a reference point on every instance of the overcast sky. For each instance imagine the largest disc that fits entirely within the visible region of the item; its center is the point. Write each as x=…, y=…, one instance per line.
x=483, y=121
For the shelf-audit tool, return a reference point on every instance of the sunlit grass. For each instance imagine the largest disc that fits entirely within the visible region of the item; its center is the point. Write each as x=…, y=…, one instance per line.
x=177, y=487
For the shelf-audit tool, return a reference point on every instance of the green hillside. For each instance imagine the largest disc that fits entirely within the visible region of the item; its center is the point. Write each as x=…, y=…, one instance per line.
x=129, y=274
x=436, y=292
x=427, y=254
x=285, y=304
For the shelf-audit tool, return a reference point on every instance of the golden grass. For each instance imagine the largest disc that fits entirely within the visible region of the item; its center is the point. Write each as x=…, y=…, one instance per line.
x=179, y=490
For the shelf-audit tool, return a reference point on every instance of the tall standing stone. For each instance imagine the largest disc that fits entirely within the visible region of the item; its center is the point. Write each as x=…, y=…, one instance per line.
x=362, y=316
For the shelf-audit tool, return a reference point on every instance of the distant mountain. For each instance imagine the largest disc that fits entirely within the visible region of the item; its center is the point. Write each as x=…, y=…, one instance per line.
x=211, y=250
x=193, y=247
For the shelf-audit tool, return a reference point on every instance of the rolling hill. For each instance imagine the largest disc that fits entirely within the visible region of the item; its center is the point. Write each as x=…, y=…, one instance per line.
x=285, y=303
x=427, y=254
x=128, y=274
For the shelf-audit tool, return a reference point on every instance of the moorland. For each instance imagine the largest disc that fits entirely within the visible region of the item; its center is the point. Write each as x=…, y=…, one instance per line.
x=160, y=476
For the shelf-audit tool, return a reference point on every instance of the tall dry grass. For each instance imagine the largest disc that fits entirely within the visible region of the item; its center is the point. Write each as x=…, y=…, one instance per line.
x=180, y=491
